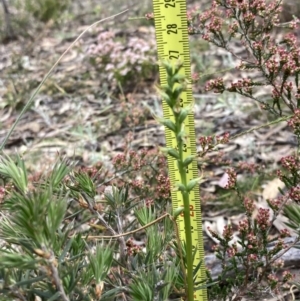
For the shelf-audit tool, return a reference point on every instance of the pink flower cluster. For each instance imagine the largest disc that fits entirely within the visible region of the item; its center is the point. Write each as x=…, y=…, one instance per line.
x=243, y=226
x=294, y=194
x=2, y=194
x=251, y=23
x=249, y=167
x=217, y=85
x=249, y=206
x=227, y=232
x=120, y=60
x=244, y=85
x=263, y=218
x=291, y=163
x=231, y=178
x=132, y=247
x=231, y=251
x=294, y=121
x=208, y=143
x=144, y=183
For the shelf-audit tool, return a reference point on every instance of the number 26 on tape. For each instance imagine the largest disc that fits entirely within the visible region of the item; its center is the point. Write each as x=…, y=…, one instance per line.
x=191, y=211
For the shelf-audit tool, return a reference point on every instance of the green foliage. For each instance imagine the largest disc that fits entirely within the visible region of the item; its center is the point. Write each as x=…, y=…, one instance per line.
x=44, y=251
x=100, y=262
x=153, y=283
x=15, y=171
x=292, y=212
x=171, y=92
x=42, y=255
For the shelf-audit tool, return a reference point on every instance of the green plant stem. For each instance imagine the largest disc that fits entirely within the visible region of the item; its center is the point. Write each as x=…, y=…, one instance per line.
x=261, y=126
x=187, y=224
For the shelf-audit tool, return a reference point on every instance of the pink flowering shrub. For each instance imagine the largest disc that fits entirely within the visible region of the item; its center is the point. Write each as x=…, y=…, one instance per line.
x=123, y=60
x=132, y=111
x=269, y=63
x=272, y=62
x=252, y=266
x=145, y=173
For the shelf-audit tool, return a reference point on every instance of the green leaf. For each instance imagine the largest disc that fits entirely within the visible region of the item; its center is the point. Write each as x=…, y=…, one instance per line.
x=173, y=153
x=165, y=96
x=145, y=215
x=56, y=212
x=168, y=90
x=181, y=136
x=34, y=217
x=154, y=245
x=119, y=197
x=292, y=212
x=140, y=290
x=56, y=296
x=169, y=124
x=184, y=112
x=177, y=92
x=181, y=187
x=188, y=160
x=17, y=260
x=14, y=171
x=60, y=170
x=153, y=284
x=191, y=184
x=82, y=183
x=177, y=212
x=110, y=295
x=169, y=68
x=178, y=78
x=100, y=262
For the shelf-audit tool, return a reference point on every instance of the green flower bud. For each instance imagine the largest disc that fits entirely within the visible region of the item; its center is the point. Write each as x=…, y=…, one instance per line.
x=169, y=124
x=191, y=184
x=173, y=153
x=177, y=212
x=188, y=161
x=181, y=187
x=183, y=114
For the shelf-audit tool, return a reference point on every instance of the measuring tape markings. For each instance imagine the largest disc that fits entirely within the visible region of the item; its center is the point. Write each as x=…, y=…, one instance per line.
x=173, y=44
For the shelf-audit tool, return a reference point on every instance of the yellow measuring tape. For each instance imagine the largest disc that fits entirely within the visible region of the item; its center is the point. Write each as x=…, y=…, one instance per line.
x=172, y=43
